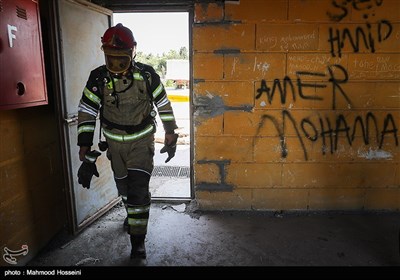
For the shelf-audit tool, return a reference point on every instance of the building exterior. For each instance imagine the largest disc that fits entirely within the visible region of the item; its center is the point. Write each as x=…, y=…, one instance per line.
x=178, y=71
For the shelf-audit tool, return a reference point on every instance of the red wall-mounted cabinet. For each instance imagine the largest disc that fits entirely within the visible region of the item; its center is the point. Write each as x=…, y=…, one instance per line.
x=22, y=74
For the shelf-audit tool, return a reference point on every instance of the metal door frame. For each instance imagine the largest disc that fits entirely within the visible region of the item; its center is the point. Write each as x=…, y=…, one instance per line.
x=142, y=6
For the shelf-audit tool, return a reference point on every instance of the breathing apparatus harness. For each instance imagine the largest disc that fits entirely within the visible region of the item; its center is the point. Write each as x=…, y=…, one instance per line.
x=104, y=78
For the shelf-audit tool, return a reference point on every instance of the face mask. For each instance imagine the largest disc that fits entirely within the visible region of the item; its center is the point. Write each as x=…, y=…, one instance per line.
x=118, y=63
x=117, y=60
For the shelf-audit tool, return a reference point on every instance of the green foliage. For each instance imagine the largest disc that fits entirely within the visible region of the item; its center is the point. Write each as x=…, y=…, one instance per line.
x=169, y=83
x=158, y=62
x=183, y=53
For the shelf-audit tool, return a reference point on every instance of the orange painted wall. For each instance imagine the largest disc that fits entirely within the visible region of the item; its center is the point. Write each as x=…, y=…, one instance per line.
x=32, y=208
x=296, y=105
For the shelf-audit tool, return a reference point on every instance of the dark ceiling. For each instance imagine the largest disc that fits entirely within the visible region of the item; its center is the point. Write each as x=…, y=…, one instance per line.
x=145, y=5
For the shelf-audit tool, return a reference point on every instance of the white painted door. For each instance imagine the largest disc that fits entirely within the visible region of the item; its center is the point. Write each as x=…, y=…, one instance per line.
x=81, y=25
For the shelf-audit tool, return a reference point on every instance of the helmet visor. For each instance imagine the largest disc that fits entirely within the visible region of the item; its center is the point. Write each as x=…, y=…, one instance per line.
x=118, y=61
x=118, y=64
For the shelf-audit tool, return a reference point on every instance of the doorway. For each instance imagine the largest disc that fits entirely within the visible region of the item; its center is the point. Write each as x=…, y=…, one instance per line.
x=163, y=43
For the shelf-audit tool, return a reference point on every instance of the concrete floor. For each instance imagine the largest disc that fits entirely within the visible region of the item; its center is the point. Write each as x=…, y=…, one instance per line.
x=180, y=235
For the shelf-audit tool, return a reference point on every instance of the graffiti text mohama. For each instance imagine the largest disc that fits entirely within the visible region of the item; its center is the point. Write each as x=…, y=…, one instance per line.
x=329, y=132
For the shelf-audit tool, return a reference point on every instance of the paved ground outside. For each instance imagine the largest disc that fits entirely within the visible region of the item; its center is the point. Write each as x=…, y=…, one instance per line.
x=172, y=180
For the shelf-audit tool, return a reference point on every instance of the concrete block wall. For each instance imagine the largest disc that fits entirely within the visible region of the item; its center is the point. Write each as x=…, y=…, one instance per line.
x=32, y=208
x=296, y=104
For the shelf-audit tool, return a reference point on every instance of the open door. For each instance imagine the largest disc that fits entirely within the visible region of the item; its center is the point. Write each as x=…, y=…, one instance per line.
x=169, y=181
x=80, y=27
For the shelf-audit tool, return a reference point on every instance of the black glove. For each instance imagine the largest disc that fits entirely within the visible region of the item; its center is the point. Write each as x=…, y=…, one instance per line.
x=170, y=148
x=88, y=169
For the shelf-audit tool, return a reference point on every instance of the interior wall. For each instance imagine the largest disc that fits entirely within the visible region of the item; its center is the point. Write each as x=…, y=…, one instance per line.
x=32, y=207
x=296, y=104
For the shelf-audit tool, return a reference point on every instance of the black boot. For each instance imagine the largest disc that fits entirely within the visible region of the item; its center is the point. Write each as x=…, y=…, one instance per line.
x=138, y=247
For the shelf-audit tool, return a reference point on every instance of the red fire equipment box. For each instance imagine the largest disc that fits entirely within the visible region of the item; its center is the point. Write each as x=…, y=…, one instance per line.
x=22, y=74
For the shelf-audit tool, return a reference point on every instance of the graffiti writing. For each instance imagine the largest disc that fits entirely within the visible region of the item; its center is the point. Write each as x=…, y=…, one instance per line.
x=382, y=66
x=341, y=8
x=337, y=76
x=329, y=132
x=362, y=37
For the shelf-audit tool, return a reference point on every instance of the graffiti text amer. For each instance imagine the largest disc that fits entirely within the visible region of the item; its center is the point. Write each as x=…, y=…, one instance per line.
x=336, y=78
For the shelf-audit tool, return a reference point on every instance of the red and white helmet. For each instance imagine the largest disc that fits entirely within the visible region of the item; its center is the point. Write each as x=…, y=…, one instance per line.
x=118, y=45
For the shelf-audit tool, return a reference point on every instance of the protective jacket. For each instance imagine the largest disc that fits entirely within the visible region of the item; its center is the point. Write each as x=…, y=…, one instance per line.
x=125, y=105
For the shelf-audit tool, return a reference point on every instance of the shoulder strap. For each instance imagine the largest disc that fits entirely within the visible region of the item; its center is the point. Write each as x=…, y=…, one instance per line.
x=140, y=67
x=102, y=78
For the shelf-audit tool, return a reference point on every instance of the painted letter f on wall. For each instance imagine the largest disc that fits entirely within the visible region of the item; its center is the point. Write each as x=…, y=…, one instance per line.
x=11, y=35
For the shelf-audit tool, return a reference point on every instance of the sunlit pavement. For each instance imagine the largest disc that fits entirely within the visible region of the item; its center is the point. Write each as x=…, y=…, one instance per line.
x=181, y=112
x=175, y=186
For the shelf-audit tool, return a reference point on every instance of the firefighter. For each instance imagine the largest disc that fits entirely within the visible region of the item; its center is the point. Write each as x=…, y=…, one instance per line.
x=125, y=93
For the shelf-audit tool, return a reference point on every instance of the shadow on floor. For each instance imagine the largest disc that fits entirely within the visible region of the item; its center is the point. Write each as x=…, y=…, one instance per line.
x=180, y=235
